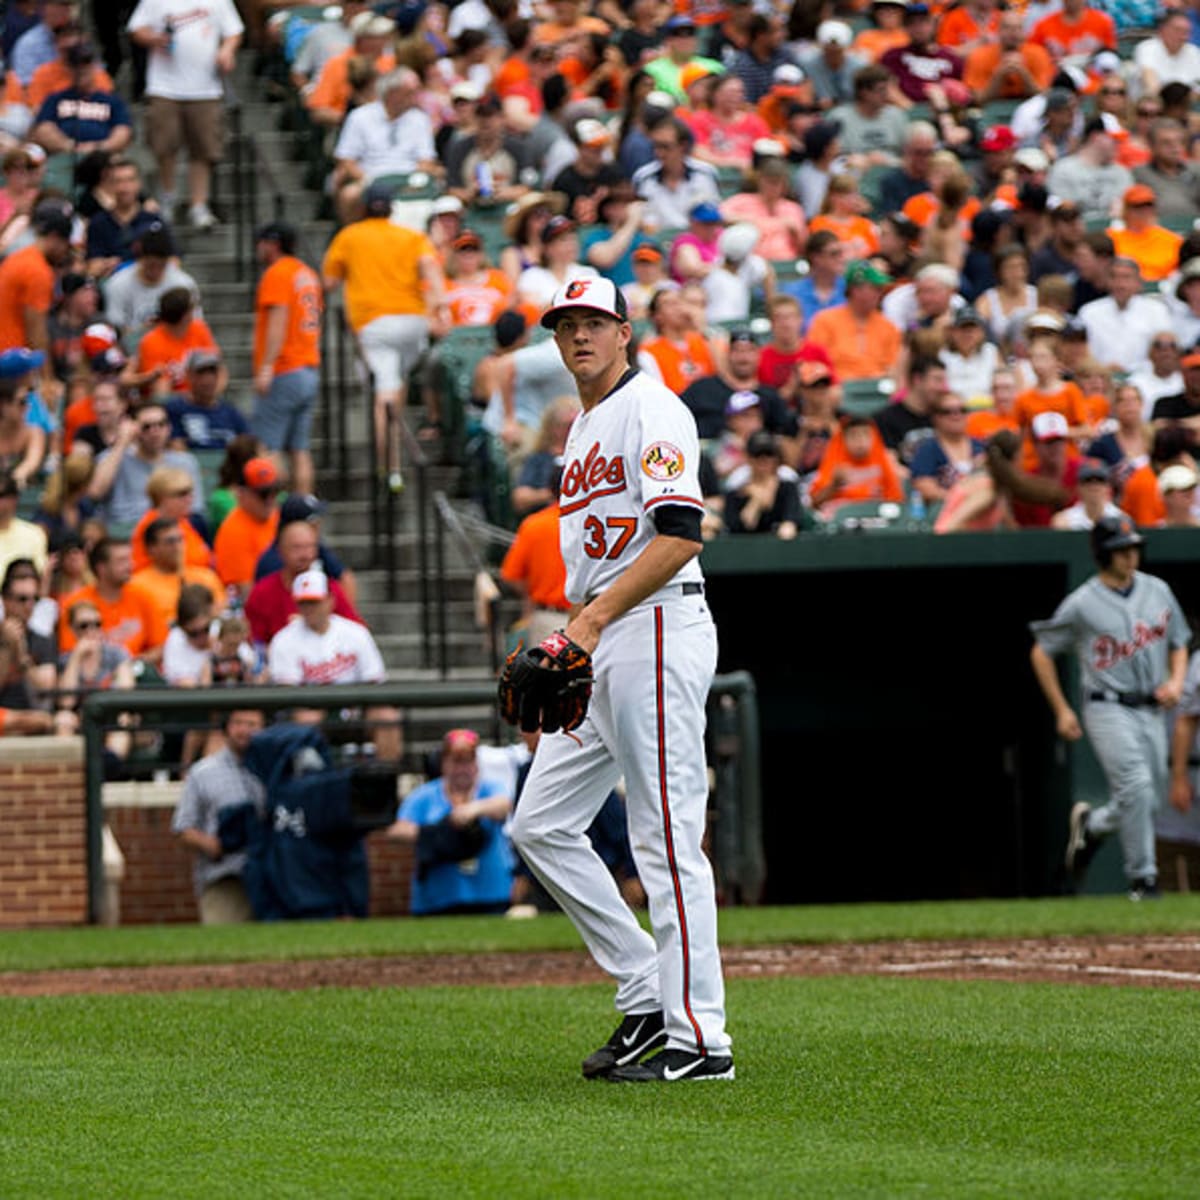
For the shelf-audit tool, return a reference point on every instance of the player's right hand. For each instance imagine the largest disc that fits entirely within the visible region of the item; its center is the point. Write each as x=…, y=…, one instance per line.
x=1069, y=728
x=1181, y=794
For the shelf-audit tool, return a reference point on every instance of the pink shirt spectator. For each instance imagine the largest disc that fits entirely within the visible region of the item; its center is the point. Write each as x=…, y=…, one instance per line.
x=732, y=140
x=707, y=250
x=778, y=223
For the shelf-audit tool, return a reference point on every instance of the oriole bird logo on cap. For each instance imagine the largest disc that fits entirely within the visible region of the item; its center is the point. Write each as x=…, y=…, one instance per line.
x=576, y=288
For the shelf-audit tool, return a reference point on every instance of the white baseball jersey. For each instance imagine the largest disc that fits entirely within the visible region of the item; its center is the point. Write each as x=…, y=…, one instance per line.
x=344, y=653
x=635, y=450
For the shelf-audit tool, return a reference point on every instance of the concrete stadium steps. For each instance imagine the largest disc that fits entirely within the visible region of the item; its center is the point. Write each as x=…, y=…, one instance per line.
x=228, y=308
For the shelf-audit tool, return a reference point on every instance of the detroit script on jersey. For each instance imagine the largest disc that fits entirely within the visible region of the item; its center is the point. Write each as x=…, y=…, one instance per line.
x=1107, y=651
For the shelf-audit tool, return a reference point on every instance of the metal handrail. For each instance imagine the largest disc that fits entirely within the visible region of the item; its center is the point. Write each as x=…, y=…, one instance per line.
x=740, y=860
x=448, y=520
x=248, y=164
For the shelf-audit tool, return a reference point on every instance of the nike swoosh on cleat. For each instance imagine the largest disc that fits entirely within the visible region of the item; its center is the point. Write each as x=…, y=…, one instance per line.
x=633, y=1037
x=670, y=1076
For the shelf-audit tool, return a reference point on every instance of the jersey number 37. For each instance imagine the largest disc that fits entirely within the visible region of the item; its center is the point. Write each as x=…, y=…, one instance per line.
x=599, y=534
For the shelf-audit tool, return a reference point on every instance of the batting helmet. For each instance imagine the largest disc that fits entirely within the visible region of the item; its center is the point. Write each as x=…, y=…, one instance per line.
x=1113, y=533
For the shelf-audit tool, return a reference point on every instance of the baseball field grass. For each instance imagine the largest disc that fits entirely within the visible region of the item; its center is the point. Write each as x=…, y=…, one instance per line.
x=846, y=1086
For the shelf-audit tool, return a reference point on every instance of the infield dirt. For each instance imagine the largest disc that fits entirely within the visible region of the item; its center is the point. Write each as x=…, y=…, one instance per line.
x=1159, y=961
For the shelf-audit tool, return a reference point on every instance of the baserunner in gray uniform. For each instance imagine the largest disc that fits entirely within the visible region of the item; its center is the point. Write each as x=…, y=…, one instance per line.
x=1130, y=637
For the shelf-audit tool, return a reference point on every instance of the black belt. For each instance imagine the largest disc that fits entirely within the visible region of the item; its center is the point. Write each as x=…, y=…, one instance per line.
x=686, y=589
x=1128, y=699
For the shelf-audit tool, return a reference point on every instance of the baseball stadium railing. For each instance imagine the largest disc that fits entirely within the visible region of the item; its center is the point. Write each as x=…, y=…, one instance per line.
x=733, y=741
x=247, y=165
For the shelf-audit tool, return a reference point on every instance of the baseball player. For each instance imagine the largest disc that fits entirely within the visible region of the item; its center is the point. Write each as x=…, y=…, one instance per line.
x=1130, y=637
x=630, y=510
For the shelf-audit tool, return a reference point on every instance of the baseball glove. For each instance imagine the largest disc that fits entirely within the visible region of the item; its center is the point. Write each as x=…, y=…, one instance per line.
x=548, y=687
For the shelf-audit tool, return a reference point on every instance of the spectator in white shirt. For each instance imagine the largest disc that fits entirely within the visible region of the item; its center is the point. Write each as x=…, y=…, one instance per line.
x=1121, y=325
x=322, y=648
x=390, y=136
x=674, y=183
x=190, y=49
x=1161, y=375
x=1168, y=56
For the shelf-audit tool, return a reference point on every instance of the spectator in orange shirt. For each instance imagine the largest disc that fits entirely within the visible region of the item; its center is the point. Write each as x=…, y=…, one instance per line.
x=287, y=351
x=1009, y=68
x=128, y=616
x=985, y=423
x=569, y=23
x=394, y=294
x=27, y=278
x=1050, y=393
x=250, y=528
x=1076, y=31
x=331, y=93
x=860, y=341
x=843, y=214
x=172, y=494
x=681, y=354
x=967, y=26
x=534, y=567
x=164, y=576
x=1141, y=497
x=887, y=34
x=59, y=74
x=476, y=293
x=855, y=466
x=176, y=334
x=1154, y=248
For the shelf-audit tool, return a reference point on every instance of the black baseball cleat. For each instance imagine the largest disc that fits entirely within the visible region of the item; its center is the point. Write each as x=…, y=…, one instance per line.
x=675, y=1066
x=637, y=1035
x=1144, y=889
x=1081, y=843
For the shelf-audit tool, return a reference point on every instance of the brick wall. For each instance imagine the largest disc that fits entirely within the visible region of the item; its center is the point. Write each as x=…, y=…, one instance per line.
x=43, y=847
x=157, y=885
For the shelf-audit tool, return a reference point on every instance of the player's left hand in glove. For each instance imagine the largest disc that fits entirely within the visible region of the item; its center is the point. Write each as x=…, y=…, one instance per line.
x=547, y=687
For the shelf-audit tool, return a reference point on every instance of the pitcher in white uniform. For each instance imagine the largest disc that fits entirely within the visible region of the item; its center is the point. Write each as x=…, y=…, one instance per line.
x=630, y=509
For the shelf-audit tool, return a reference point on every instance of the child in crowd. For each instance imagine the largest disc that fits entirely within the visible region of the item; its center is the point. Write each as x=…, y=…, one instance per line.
x=233, y=658
x=856, y=467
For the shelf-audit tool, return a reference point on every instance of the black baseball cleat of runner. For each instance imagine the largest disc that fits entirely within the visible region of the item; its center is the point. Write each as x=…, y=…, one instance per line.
x=637, y=1035
x=675, y=1066
x=1144, y=889
x=1081, y=844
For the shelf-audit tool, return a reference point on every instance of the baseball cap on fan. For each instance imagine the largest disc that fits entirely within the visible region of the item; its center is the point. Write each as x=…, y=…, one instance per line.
x=310, y=585
x=600, y=295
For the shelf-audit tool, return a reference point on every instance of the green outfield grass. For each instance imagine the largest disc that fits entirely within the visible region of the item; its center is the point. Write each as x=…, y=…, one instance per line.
x=846, y=1087
x=140, y=945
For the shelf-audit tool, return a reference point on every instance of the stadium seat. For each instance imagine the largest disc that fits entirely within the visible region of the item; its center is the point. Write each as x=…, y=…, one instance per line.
x=997, y=112
x=866, y=515
x=864, y=397
x=870, y=186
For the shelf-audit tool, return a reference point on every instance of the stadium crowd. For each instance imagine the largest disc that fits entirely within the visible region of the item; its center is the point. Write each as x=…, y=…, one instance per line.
x=934, y=257
x=949, y=219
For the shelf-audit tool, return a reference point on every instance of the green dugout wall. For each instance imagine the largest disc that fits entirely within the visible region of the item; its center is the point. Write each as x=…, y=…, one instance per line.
x=906, y=750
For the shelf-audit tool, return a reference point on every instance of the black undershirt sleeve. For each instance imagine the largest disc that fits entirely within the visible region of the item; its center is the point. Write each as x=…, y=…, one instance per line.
x=678, y=520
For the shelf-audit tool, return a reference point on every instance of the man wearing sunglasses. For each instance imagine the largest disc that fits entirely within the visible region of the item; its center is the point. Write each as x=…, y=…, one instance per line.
x=124, y=470
x=19, y=594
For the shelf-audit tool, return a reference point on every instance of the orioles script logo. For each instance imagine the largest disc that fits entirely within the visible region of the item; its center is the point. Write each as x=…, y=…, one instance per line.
x=593, y=470
x=576, y=288
x=1108, y=651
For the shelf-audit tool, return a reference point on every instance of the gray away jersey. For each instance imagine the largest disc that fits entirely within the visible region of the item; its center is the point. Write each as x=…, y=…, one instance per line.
x=1122, y=642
